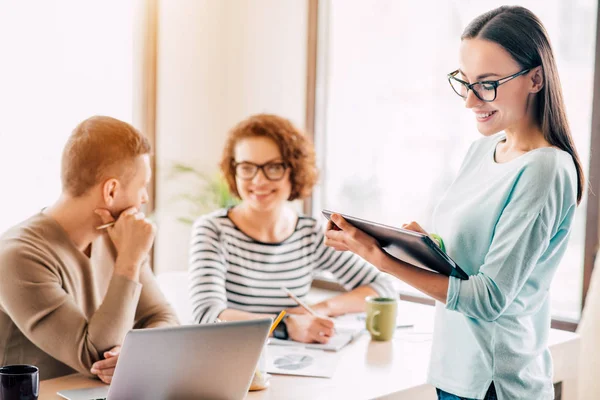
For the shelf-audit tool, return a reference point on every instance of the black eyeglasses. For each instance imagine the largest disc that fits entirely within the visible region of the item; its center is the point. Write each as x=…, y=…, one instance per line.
x=273, y=171
x=484, y=90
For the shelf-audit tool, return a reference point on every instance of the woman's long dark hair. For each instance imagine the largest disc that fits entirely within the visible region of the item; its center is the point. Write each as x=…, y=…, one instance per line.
x=522, y=34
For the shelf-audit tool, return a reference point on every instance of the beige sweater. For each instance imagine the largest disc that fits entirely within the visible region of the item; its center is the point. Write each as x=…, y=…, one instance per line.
x=59, y=309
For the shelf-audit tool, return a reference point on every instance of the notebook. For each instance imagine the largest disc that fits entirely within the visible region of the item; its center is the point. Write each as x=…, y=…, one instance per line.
x=348, y=327
x=338, y=341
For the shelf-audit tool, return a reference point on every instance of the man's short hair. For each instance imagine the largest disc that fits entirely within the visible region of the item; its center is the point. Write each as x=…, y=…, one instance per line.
x=100, y=148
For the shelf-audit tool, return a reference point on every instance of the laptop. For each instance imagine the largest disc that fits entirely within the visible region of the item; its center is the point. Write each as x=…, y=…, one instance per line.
x=212, y=361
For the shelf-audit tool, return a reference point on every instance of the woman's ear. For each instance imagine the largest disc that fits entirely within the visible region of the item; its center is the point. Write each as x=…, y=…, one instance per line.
x=109, y=192
x=537, y=79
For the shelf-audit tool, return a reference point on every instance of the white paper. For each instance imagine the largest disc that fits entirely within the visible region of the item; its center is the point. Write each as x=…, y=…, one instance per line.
x=348, y=327
x=286, y=360
x=335, y=343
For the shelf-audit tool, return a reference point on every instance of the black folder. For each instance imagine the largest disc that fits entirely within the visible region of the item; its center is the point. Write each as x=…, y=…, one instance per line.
x=411, y=247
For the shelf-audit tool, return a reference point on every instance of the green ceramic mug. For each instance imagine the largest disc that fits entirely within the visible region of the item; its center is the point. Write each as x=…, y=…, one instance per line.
x=381, y=317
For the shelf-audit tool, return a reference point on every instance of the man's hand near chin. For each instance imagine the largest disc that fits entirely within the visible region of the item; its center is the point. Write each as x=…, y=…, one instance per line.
x=105, y=369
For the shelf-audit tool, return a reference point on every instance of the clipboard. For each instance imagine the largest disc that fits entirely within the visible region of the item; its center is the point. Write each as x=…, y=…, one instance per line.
x=410, y=247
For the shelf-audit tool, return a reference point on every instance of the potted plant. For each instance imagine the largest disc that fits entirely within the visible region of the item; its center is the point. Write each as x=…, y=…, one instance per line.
x=207, y=193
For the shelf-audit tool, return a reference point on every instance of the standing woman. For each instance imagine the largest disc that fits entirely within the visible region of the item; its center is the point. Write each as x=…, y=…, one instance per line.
x=505, y=219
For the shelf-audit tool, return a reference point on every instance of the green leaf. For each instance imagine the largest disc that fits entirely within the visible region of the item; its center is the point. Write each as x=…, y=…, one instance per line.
x=210, y=192
x=185, y=220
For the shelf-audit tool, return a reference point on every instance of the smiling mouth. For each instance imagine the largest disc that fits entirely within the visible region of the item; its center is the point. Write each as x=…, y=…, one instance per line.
x=263, y=193
x=485, y=115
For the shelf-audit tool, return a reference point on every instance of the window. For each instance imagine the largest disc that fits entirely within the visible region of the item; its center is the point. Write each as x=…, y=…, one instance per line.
x=62, y=63
x=390, y=132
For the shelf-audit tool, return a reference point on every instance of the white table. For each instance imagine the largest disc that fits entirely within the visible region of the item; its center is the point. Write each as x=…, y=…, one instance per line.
x=382, y=370
x=398, y=369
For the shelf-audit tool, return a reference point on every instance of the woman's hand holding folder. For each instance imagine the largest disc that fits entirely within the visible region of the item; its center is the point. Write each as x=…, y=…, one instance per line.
x=343, y=236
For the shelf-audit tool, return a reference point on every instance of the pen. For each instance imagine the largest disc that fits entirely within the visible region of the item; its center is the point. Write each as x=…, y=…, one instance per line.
x=299, y=302
x=105, y=226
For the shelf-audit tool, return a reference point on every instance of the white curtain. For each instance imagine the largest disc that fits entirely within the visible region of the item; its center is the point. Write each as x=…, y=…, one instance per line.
x=589, y=329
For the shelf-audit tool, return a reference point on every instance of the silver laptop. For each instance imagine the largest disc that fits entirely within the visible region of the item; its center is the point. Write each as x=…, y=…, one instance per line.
x=214, y=361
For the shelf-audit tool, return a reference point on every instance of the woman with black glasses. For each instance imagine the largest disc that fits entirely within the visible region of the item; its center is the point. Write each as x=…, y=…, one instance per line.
x=505, y=219
x=240, y=258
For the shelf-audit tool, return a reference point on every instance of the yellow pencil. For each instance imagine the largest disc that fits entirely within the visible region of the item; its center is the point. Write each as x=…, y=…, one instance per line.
x=277, y=321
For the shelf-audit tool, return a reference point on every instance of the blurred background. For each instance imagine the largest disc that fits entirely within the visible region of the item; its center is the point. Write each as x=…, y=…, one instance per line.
x=365, y=80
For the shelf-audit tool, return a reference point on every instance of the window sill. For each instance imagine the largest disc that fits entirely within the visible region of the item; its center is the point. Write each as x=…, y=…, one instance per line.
x=321, y=282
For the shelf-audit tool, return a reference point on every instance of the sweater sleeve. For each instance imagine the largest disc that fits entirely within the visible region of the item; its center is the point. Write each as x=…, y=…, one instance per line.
x=31, y=294
x=529, y=225
x=207, y=272
x=153, y=310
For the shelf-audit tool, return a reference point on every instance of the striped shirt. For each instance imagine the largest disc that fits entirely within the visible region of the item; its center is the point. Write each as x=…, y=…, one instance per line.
x=229, y=269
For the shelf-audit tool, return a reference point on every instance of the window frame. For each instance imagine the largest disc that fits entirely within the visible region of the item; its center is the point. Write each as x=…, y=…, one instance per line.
x=316, y=99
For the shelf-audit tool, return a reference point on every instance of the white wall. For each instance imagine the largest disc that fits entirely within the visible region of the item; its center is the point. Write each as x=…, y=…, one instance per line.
x=59, y=66
x=218, y=62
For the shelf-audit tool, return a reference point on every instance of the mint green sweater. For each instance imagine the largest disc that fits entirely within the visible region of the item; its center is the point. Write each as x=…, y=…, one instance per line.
x=507, y=225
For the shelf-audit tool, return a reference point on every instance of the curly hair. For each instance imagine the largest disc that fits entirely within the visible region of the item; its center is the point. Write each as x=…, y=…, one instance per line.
x=296, y=150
